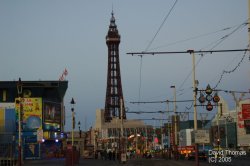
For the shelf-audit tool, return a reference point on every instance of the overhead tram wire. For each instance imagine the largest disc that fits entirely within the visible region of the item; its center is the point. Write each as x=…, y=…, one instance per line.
x=231, y=71
x=150, y=43
x=219, y=41
x=195, y=37
x=191, y=51
x=154, y=112
x=164, y=101
x=185, y=52
x=192, y=38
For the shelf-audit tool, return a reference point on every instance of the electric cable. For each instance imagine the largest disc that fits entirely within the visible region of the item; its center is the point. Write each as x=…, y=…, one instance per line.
x=150, y=43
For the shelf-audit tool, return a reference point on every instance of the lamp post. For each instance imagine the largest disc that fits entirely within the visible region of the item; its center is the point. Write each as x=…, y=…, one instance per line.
x=175, y=120
x=80, y=131
x=19, y=91
x=195, y=110
x=122, y=141
x=80, y=136
x=73, y=127
x=73, y=120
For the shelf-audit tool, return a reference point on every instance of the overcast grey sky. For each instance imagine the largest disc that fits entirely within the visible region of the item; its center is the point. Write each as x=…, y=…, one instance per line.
x=39, y=39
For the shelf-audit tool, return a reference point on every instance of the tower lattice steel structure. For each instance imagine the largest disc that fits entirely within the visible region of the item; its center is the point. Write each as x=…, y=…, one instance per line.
x=114, y=85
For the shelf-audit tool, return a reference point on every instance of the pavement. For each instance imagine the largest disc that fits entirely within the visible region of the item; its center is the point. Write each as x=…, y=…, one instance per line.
x=135, y=162
x=98, y=162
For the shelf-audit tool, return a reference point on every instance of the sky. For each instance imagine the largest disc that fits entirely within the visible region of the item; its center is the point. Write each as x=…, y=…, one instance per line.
x=39, y=39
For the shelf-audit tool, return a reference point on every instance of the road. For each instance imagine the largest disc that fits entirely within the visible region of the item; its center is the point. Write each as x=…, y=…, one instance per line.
x=96, y=162
x=135, y=162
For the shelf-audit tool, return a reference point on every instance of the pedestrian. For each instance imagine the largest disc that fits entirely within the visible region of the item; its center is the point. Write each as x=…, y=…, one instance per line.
x=113, y=155
x=186, y=156
x=110, y=155
x=105, y=154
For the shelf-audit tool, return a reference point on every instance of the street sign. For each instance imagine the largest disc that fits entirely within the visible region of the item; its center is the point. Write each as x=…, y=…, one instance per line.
x=201, y=136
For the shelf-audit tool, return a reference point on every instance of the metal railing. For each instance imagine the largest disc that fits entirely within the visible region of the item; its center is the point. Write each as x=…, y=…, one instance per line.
x=7, y=149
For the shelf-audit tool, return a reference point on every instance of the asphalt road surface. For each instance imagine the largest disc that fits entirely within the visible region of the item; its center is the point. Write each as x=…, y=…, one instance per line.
x=136, y=162
x=96, y=162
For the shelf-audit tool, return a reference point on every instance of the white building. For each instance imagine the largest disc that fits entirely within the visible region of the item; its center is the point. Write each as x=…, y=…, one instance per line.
x=185, y=138
x=240, y=115
x=111, y=131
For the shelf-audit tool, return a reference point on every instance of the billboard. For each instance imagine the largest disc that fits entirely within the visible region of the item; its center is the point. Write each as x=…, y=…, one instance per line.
x=31, y=113
x=52, y=112
x=52, y=115
x=201, y=136
x=246, y=111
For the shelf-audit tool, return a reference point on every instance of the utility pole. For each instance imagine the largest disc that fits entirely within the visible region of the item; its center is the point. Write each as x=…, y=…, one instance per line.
x=20, y=111
x=175, y=121
x=122, y=141
x=195, y=111
x=146, y=138
x=72, y=132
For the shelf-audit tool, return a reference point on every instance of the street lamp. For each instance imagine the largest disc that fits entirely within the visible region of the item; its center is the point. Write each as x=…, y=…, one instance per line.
x=80, y=131
x=73, y=127
x=19, y=92
x=80, y=135
x=175, y=119
x=73, y=119
x=195, y=84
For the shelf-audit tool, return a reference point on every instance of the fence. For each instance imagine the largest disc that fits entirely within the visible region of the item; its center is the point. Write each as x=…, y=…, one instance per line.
x=7, y=149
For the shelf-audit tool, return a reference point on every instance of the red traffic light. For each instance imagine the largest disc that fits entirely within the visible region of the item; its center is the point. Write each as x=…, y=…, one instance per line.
x=216, y=98
x=209, y=106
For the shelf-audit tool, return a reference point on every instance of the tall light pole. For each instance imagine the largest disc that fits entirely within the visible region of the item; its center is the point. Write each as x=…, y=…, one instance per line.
x=19, y=91
x=175, y=119
x=195, y=111
x=80, y=131
x=80, y=136
x=73, y=127
x=73, y=120
x=122, y=146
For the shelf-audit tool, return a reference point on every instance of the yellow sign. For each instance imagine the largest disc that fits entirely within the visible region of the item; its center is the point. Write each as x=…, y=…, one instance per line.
x=31, y=109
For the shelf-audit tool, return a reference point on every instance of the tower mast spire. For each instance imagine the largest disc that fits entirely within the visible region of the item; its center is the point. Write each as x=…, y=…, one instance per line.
x=114, y=85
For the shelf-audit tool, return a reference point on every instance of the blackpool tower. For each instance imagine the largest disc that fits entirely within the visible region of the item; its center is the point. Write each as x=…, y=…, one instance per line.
x=114, y=94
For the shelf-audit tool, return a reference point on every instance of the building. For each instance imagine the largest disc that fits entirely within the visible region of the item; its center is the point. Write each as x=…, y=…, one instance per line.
x=42, y=116
x=107, y=135
x=231, y=128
